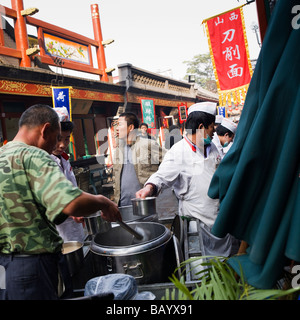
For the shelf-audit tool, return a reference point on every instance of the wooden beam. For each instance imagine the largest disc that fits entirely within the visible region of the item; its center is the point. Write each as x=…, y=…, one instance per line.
x=8, y=12
x=70, y=65
x=64, y=33
x=10, y=52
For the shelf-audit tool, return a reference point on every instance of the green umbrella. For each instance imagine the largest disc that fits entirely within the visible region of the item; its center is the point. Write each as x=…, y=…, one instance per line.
x=258, y=180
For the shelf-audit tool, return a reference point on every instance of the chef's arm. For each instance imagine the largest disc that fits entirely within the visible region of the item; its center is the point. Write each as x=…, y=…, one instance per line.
x=87, y=204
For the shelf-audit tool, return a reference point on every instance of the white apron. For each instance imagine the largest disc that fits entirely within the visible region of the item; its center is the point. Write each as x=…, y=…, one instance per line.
x=186, y=170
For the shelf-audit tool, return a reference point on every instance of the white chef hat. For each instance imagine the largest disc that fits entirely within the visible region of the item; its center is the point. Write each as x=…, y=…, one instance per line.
x=208, y=107
x=230, y=125
x=219, y=118
x=63, y=114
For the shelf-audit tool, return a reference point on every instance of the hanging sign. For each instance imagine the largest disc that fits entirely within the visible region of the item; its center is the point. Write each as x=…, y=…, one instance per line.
x=222, y=111
x=67, y=49
x=148, y=112
x=182, y=112
x=229, y=53
x=61, y=97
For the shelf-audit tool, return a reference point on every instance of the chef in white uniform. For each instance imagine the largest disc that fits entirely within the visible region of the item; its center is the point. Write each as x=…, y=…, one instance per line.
x=188, y=167
x=224, y=135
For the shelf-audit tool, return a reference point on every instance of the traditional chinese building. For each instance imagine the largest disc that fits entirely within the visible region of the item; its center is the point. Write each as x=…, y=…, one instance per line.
x=26, y=79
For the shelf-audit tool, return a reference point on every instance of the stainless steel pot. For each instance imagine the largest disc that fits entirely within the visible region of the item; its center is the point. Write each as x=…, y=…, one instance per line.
x=144, y=207
x=95, y=224
x=73, y=251
x=128, y=216
x=149, y=261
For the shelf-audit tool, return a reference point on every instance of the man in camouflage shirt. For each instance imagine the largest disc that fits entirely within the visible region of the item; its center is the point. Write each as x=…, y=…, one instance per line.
x=34, y=197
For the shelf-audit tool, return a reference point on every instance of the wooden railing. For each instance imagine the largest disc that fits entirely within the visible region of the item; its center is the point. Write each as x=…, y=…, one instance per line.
x=44, y=56
x=15, y=53
x=68, y=35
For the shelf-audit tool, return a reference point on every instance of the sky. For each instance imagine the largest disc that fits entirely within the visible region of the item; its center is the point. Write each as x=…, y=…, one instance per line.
x=156, y=35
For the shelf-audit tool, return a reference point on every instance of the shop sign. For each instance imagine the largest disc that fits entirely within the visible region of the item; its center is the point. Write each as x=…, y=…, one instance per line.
x=182, y=112
x=148, y=112
x=61, y=97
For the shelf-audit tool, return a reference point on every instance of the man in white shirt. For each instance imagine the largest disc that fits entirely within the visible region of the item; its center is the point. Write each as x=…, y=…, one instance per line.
x=224, y=136
x=188, y=167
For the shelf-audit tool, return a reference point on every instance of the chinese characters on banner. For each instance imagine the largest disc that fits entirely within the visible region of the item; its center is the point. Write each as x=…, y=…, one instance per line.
x=61, y=97
x=222, y=111
x=229, y=53
x=148, y=112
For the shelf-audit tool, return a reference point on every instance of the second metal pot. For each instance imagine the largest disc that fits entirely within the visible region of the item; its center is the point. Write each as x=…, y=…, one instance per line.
x=128, y=216
x=95, y=224
x=73, y=251
x=144, y=207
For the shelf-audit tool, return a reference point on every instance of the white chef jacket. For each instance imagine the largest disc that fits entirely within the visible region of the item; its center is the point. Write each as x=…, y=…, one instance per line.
x=221, y=149
x=217, y=143
x=189, y=173
x=69, y=230
x=186, y=170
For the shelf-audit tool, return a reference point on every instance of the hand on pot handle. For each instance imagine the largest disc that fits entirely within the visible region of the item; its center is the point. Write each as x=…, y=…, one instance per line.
x=79, y=220
x=147, y=191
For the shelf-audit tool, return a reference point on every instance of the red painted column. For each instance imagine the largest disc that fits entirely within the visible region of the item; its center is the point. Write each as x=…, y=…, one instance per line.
x=21, y=33
x=1, y=34
x=98, y=37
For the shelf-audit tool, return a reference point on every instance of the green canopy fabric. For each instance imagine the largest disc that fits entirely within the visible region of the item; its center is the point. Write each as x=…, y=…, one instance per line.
x=258, y=181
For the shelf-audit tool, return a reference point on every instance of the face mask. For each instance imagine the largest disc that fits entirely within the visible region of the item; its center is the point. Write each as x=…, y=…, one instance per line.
x=207, y=140
x=225, y=144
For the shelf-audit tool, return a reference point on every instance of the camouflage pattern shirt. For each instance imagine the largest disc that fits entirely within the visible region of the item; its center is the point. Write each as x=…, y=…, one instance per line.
x=33, y=193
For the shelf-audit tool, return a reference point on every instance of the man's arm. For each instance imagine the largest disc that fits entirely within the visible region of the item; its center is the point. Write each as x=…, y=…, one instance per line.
x=166, y=176
x=87, y=204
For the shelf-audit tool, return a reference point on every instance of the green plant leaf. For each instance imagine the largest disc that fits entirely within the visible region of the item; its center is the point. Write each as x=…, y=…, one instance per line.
x=218, y=281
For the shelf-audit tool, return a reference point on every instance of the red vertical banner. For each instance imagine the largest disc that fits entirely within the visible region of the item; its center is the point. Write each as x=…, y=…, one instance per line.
x=229, y=53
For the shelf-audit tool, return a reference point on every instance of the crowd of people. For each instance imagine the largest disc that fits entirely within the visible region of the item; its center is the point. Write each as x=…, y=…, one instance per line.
x=41, y=205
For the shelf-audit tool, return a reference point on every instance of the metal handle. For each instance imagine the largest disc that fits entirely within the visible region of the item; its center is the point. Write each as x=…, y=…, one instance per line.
x=129, y=229
x=135, y=270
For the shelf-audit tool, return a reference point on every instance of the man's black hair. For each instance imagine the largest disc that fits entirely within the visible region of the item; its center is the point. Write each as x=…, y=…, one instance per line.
x=67, y=126
x=196, y=118
x=37, y=115
x=131, y=118
x=144, y=124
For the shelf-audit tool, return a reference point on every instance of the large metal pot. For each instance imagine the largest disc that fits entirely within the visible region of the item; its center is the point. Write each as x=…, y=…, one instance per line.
x=73, y=251
x=150, y=260
x=95, y=224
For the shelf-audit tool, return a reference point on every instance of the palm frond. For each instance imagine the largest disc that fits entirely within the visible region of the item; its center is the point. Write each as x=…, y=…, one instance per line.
x=218, y=281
